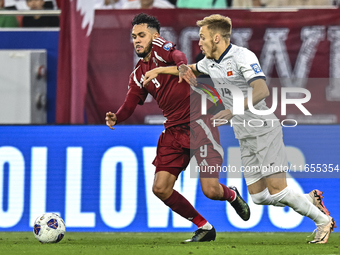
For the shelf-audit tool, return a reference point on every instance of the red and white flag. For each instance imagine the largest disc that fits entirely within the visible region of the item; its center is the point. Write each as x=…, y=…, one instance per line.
x=76, y=22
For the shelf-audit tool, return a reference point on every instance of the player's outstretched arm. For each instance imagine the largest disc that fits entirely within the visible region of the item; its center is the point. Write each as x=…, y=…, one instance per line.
x=149, y=75
x=186, y=72
x=111, y=120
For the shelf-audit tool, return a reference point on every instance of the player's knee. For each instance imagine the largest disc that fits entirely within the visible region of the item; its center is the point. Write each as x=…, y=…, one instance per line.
x=160, y=191
x=212, y=193
x=157, y=190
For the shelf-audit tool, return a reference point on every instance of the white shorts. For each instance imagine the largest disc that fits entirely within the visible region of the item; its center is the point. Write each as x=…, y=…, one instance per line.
x=263, y=155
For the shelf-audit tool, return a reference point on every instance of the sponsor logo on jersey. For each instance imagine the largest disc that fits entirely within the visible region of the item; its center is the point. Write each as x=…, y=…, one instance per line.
x=230, y=73
x=256, y=68
x=167, y=46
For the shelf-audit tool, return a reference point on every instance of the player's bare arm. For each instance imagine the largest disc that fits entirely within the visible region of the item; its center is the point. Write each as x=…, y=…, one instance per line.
x=111, y=120
x=149, y=75
x=260, y=91
x=188, y=73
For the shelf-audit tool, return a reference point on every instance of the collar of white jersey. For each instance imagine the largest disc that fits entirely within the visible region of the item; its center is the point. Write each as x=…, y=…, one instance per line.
x=223, y=54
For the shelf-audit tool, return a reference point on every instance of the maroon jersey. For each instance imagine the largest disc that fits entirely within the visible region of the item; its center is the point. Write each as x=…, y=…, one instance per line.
x=172, y=97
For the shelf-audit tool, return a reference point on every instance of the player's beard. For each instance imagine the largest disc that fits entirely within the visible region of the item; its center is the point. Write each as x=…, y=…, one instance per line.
x=213, y=50
x=146, y=51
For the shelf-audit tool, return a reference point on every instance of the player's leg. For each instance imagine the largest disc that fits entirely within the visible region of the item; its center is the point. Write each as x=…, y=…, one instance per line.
x=209, y=162
x=205, y=145
x=260, y=195
x=274, y=156
x=258, y=190
x=164, y=182
x=262, y=188
x=171, y=159
x=215, y=190
x=163, y=188
x=281, y=193
x=211, y=186
x=256, y=183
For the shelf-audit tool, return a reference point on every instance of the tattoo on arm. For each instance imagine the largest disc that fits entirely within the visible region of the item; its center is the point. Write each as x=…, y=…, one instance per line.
x=183, y=69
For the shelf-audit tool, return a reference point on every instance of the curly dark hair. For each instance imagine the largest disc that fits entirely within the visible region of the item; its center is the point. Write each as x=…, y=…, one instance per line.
x=143, y=18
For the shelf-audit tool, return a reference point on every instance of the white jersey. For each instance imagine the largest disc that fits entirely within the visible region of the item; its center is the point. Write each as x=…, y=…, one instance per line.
x=239, y=67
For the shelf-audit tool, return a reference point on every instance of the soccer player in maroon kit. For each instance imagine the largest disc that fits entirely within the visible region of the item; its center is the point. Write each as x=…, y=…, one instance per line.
x=181, y=107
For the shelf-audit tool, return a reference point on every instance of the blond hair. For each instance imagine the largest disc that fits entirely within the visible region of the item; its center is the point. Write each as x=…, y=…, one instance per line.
x=217, y=24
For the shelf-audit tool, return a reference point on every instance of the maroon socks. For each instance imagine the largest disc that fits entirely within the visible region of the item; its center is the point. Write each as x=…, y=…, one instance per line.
x=229, y=194
x=182, y=206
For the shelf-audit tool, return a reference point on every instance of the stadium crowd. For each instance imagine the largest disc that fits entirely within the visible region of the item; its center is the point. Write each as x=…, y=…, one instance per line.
x=52, y=21
x=199, y=4
x=212, y=4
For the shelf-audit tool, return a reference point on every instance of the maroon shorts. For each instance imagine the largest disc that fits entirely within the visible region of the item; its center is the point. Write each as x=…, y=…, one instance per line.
x=177, y=144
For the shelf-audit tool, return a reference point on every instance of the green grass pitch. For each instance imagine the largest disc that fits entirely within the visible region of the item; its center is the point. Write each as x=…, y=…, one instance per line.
x=167, y=243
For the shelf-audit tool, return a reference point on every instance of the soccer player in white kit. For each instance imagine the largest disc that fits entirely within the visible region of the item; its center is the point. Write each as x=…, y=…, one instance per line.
x=261, y=147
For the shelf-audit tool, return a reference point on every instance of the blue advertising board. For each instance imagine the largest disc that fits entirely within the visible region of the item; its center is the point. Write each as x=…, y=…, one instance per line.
x=100, y=180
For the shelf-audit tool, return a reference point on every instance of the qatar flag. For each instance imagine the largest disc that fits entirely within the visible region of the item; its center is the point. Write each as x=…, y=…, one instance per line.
x=76, y=22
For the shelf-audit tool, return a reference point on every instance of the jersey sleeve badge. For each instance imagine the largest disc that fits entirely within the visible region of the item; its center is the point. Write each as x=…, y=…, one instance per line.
x=167, y=46
x=256, y=68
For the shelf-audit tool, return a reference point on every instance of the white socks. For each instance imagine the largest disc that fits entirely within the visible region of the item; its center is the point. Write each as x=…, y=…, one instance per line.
x=264, y=198
x=300, y=203
x=207, y=226
x=309, y=198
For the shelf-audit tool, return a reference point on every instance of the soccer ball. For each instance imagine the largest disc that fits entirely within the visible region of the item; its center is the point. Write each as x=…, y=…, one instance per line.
x=49, y=228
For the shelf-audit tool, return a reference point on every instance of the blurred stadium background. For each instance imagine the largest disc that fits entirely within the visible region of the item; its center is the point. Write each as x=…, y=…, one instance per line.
x=56, y=84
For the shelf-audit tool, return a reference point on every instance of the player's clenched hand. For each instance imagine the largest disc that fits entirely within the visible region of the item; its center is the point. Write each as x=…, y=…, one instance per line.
x=149, y=75
x=187, y=74
x=221, y=118
x=111, y=119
